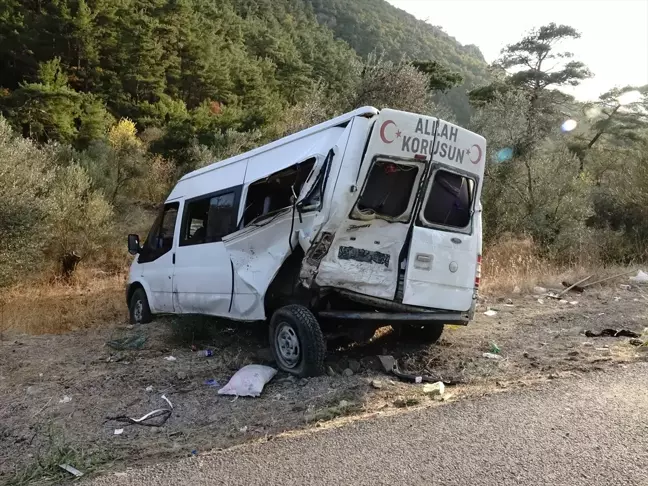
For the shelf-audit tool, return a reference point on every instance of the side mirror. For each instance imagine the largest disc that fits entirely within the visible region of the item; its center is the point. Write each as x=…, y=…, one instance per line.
x=134, y=244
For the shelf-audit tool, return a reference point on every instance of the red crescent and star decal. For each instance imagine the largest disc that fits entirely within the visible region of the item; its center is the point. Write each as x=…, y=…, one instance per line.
x=479, y=154
x=384, y=126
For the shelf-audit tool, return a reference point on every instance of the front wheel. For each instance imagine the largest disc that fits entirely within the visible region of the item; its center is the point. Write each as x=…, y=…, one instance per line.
x=423, y=333
x=140, y=312
x=297, y=342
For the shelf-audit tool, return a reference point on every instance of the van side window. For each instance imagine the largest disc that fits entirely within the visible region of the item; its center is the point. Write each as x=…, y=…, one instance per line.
x=160, y=238
x=209, y=219
x=274, y=192
x=450, y=200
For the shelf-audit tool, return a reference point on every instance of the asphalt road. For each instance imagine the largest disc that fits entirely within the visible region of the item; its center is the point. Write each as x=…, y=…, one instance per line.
x=580, y=431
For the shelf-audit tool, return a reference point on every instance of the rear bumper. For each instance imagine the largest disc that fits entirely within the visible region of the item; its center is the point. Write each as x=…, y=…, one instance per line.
x=459, y=318
x=386, y=310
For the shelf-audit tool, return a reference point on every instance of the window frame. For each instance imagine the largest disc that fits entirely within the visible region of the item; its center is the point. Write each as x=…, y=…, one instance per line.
x=183, y=242
x=421, y=221
x=148, y=254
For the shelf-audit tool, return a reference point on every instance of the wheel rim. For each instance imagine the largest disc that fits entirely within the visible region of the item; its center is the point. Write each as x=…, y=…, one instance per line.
x=138, y=310
x=287, y=345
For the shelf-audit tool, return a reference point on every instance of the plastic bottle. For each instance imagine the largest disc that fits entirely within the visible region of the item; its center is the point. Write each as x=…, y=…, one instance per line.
x=205, y=353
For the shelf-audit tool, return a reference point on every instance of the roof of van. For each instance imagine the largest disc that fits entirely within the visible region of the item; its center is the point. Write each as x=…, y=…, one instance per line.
x=364, y=111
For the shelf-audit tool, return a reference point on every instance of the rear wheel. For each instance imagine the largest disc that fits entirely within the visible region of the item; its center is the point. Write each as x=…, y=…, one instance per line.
x=297, y=342
x=140, y=312
x=425, y=333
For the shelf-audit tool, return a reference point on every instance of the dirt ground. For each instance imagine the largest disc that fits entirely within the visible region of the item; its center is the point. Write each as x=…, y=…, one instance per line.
x=56, y=391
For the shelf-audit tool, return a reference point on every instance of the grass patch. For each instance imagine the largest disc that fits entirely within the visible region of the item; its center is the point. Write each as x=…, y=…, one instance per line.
x=45, y=467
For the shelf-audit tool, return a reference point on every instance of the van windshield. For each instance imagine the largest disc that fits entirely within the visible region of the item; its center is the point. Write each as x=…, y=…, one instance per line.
x=450, y=200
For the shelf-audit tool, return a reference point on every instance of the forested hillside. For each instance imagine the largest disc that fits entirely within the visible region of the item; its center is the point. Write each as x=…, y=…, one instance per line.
x=375, y=25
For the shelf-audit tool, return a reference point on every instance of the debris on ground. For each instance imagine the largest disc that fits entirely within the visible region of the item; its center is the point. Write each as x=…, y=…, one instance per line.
x=613, y=333
x=377, y=384
x=205, y=353
x=641, y=277
x=390, y=365
x=636, y=342
x=212, y=383
x=149, y=388
x=406, y=402
x=65, y=399
x=170, y=358
x=119, y=431
x=540, y=301
x=72, y=470
x=625, y=287
x=181, y=375
x=490, y=313
x=539, y=290
x=348, y=372
x=494, y=348
x=491, y=356
x=130, y=342
x=248, y=381
x=434, y=389
x=162, y=413
x=573, y=302
x=517, y=290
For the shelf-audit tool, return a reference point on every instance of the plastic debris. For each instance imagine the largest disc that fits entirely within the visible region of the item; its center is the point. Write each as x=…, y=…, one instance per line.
x=243, y=429
x=131, y=342
x=573, y=302
x=205, y=353
x=119, y=431
x=490, y=313
x=491, y=356
x=494, y=348
x=434, y=389
x=72, y=470
x=170, y=358
x=149, y=388
x=248, y=381
x=390, y=365
x=212, y=383
x=164, y=413
x=65, y=399
x=641, y=277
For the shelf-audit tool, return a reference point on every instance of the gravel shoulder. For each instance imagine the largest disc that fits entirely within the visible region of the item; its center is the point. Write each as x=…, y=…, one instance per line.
x=538, y=342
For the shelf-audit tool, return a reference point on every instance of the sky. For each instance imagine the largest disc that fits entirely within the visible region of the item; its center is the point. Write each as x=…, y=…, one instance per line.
x=613, y=43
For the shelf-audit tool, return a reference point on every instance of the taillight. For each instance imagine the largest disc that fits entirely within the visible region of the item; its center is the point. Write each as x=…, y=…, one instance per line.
x=478, y=272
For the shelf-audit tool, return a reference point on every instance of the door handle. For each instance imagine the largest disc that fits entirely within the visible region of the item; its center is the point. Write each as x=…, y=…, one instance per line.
x=173, y=260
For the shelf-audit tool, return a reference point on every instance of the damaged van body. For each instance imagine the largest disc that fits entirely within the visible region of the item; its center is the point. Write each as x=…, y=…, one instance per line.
x=370, y=219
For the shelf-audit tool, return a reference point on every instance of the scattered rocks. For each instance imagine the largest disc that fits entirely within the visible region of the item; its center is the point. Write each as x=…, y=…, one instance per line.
x=573, y=353
x=434, y=389
x=491, y=356
x=509, y=301
x=636, y=342
x=354, y=365
x=181, y=375
x=377, y=384
x=348, y=372
x=539, y=290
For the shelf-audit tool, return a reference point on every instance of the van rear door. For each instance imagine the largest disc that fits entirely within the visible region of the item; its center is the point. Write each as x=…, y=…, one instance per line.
x=445, y=242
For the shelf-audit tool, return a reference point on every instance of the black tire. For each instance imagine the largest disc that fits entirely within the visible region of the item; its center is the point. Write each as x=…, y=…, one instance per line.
x=296, y=324
x=139, y=310
x=423, y=333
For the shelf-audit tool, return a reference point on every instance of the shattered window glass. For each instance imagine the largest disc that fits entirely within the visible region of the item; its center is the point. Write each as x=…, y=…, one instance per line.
x=388, y=190
x=450, y=200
